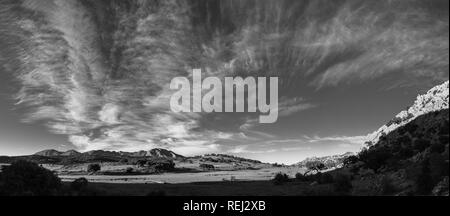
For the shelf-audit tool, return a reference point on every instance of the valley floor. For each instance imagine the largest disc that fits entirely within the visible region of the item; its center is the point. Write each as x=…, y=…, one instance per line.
x=263, y=174
x=239, y=188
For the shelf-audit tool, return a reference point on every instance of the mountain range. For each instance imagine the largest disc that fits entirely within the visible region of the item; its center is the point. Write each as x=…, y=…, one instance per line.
x=52, y=156
x=155, y=153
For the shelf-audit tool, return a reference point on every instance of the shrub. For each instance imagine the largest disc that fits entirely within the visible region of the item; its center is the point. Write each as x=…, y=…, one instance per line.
x=325, y=178
x=280, y=178
x=375, y=158
x=437, y=148
x=350, y=160
x=141, y=163
x=404, y=140
x=207, y=167
x=443, y=130
x=161, y=165
x=411, y=128
x=129, y=170
x=405, y=153
x=79, y=184
x=421, y=144
x=438, y=165
x=387, y=188
x=342, y=184
x=25, y=178
x=424, y=182
x=444, y=139
x=301, y=177
x=315, y=166
x=93, y=168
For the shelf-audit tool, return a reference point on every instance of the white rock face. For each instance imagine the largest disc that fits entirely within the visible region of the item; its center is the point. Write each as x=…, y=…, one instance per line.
x=334, y=161
x=435, y=99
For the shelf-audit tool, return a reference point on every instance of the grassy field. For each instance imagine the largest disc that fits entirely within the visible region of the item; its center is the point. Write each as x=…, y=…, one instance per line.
x=263, y=174
x=247, y=188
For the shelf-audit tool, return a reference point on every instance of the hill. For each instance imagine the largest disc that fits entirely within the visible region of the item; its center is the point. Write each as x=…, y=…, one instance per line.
x=411, y=160
x=434, y=100
x=52, y=156
x=331, y=162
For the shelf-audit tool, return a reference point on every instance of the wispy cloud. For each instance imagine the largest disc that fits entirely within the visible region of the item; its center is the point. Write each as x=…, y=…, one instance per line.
x=104, y=82
x=344, y=140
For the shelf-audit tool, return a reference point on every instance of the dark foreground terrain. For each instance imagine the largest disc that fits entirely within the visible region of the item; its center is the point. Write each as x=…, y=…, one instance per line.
x=253, y=188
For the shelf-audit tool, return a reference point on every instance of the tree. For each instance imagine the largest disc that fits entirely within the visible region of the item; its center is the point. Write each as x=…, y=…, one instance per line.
x=350, y=160
x=25, y=178
x=207, y=166
x=141, y=163
x=280, y=178
x=342, y=184
x=93, y=168
x=421, y=144
x=160, y=165
x=315, y=166
x=424, y=182
x=79, y=184
x=129, y=170
x=301, y=177
x=375, y=158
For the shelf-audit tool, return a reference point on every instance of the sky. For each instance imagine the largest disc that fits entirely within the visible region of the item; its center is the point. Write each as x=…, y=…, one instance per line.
x=91, y=75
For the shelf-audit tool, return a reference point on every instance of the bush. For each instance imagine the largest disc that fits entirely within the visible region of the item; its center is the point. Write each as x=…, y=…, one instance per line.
x=207, y=167
x=438, y=165
x=80, y=187
x=444, y=139
x=350, y=160
x=301, y=177
x=342, y=184
x=325, y=178
x=405, y=153
x=93, y=168
x=424, y=182
x=315, y=166
x=141, y=163
x=123, y=161
x=375, y=158
x=437, y=148
x=421, y=144
x=79, y=184
x=280, y=178
x=25, y=178
x=129, y=170
x=404, y=140
x=387, y=188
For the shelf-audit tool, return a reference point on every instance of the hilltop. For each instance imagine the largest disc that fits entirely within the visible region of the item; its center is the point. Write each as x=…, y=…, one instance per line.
x=434, y=100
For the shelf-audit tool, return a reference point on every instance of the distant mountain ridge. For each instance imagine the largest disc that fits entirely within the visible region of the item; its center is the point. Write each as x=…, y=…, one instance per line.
x=333, y=161
x=157, y=153
x=55, y=153
x=434, y=100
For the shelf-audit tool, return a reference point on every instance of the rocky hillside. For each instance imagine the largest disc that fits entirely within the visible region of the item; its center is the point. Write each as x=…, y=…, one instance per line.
x=158, y=153
x=435, y=99
x=55, y=153
x=411, y=160
x=72, y=157
x=334, y=161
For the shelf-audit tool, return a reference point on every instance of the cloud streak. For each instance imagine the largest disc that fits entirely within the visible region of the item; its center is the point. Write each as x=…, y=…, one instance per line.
x=99, y=72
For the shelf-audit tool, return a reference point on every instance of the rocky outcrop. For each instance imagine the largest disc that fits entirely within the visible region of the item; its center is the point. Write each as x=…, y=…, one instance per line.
x=334, y=161
x=434, y=100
